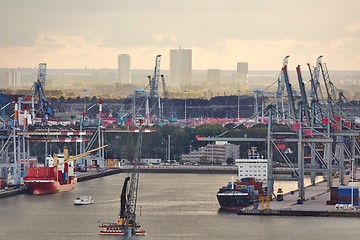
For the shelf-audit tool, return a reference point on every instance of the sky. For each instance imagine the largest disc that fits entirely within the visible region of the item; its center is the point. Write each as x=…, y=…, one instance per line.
x=92, y=33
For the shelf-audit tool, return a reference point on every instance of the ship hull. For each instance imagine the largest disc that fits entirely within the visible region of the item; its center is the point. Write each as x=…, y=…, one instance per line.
x=49, y=186
x=233, y=200
x=119, y=229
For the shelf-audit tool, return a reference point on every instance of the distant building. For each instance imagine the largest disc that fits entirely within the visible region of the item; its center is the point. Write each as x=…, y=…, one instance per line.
x=13, y=78
x=180, y=66
x=213, y=75
x=124, y=72
x=212, y=153
x=241, y=75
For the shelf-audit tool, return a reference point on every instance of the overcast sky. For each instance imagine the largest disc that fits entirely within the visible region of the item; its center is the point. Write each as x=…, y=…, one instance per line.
x=92, y=33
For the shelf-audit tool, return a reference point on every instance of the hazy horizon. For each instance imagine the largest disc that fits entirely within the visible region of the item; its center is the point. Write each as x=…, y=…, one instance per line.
x=89, y=33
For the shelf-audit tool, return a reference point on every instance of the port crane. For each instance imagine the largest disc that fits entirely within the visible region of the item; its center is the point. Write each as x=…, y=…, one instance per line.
x=38, y=95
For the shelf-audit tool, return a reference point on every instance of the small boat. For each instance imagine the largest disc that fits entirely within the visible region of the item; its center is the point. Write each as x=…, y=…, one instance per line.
x=83, y=200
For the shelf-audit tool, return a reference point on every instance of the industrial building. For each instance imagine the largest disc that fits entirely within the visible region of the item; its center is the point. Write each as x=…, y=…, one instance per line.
x=216, y=153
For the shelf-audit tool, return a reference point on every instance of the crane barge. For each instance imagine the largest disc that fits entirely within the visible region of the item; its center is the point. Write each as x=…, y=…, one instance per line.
x=126, y=224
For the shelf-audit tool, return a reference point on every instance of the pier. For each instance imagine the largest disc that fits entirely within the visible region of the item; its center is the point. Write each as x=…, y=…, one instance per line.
x=314, y=205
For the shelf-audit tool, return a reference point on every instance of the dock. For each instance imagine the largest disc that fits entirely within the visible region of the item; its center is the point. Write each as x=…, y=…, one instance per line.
x=314, y=205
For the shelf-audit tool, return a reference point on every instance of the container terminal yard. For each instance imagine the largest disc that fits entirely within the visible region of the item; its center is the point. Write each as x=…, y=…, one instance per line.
x=316, y=121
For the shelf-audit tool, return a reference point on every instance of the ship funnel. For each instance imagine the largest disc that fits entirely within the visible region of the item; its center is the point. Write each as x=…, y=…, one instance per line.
x=55, y=160
x=66, y=153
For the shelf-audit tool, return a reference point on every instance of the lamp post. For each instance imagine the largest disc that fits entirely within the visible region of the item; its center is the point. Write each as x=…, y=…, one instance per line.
x=352, y=182
x=169, y=156
x=212, y=156
x=185, y=105
x=238, y=105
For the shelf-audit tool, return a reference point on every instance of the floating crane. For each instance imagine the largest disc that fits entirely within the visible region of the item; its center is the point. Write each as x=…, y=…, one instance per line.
x=127, y=224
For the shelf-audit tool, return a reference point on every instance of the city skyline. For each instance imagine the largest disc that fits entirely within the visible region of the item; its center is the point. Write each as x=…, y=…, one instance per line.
x=91, y=34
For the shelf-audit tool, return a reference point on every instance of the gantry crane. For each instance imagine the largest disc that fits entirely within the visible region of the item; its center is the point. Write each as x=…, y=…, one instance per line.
x=334, y=109
x=281, y=86
x=291, y=103
x=316, y=95
x=304, y=103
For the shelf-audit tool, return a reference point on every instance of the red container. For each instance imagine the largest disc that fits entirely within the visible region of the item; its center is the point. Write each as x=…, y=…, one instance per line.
x=337, y=119
x=347, y=124
x=308, y=132
x=296, y=126
x=334, y=193
x=336, y=126
x=281, y=146
x=325, y=121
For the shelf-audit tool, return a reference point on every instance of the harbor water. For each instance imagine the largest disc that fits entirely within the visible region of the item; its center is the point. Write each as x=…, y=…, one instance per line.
x=171, y=206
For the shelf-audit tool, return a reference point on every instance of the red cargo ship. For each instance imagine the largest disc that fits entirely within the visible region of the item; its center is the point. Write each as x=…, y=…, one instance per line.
x=44, y=180
x=59, y=176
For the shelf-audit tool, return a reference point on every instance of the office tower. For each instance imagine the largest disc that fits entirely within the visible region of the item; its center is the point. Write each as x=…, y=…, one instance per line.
x=180, y=66
x=13, y=78
x=124, y=72
x=241, y=75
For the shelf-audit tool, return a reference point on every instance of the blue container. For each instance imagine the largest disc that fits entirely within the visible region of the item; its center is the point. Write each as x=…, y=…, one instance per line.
x=64, y=176
x=249, y=188
x=346, y=192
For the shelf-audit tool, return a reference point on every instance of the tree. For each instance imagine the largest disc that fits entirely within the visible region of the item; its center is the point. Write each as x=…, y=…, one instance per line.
x=230, y=161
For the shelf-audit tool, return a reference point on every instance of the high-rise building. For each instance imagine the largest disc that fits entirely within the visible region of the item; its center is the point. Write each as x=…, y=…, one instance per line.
x=241, y=75
x=124, y=73
x=180, y=66
x=13, y=78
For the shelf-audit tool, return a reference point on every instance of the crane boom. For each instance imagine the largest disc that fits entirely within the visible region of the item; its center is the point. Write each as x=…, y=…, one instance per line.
x=154, y=82
x=304, y=101
x=73, y=158
x=289, y=92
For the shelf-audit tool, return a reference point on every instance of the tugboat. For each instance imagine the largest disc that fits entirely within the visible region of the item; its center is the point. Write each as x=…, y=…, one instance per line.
x=245, y=191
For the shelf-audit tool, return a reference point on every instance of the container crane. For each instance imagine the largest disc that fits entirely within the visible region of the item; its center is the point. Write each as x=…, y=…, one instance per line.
x=154, y=87
x=281, y=85
x=166, y=97
x=334, y=109
x=304, y=103
x=289, y=91
x=316, y=95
